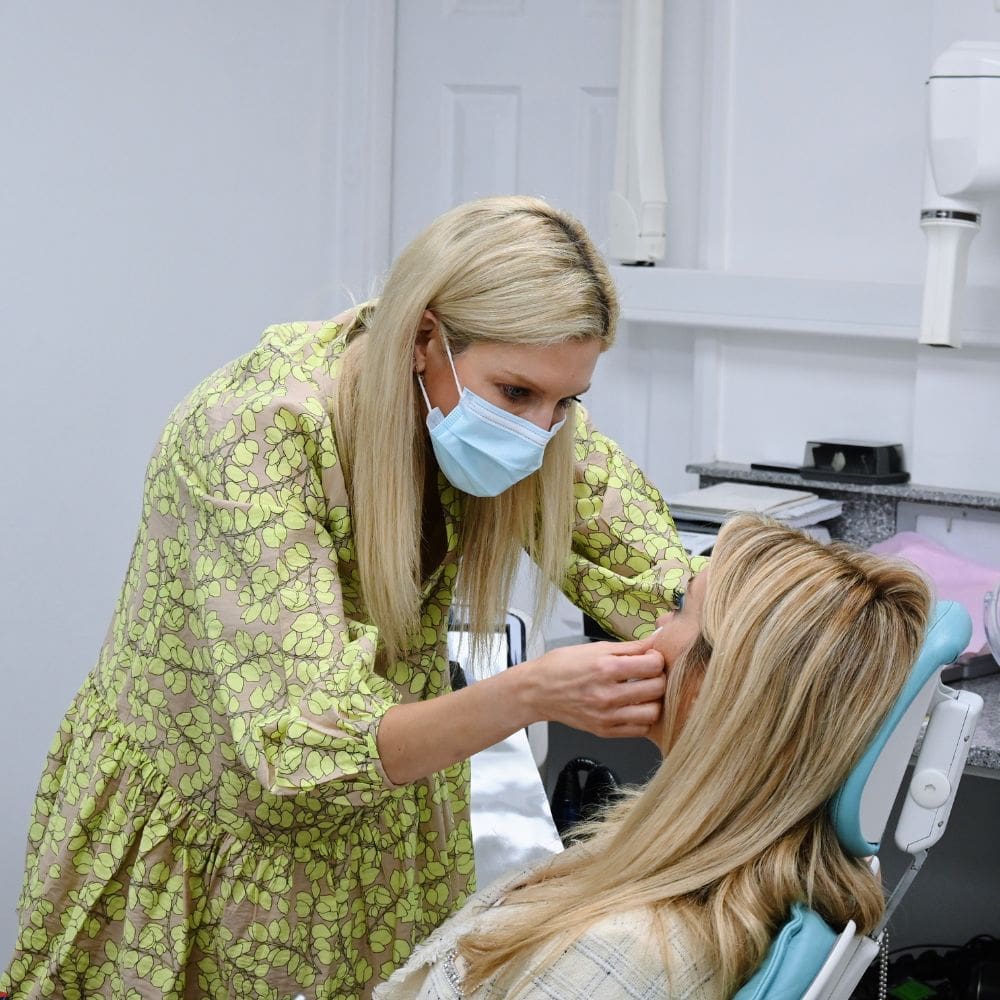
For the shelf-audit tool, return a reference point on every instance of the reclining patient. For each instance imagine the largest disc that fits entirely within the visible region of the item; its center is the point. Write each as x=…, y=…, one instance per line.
x=782, y=663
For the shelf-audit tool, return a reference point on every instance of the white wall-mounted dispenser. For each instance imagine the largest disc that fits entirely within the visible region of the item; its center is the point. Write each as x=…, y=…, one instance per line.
x=638, y=204
x=963, y=171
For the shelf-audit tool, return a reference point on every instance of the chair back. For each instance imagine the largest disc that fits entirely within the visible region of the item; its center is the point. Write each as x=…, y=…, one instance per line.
x=860, y=809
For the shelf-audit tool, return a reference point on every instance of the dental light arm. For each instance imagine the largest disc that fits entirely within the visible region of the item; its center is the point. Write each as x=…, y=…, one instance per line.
x=963, y=170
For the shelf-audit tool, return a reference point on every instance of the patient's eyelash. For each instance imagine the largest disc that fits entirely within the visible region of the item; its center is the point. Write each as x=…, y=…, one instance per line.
x=679, y=598
x=569, y=399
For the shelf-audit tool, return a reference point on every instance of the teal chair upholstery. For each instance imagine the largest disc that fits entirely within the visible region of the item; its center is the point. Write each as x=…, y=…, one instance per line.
x=794, y=959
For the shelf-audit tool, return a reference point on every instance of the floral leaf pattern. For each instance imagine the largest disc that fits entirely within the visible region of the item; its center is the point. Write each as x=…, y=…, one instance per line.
x=628, y=563
x=213, y=820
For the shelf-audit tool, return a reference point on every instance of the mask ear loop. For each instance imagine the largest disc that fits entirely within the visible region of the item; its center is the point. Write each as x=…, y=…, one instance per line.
x=451, y=361
x=420, y=382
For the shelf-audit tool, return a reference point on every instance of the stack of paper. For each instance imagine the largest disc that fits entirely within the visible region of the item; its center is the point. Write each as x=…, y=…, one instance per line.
x=697, y=542
x=809, y=512
x=715, y=504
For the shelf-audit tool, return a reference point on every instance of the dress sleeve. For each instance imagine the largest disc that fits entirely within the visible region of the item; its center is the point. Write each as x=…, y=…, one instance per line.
x=627, y=563
x=275, y=579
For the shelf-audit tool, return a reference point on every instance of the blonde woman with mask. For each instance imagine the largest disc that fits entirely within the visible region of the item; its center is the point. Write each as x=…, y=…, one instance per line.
x=782, y=663
x=262, y=788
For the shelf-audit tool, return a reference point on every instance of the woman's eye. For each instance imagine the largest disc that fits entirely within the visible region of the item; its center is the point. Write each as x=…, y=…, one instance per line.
x=564, y=403
x=514, y=392
x=680, y=601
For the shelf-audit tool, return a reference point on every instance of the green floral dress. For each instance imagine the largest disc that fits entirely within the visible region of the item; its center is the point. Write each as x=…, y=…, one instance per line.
x=214, y=820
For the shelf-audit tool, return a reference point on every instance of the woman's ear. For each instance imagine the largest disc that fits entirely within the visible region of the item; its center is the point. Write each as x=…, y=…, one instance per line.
x=425, y=333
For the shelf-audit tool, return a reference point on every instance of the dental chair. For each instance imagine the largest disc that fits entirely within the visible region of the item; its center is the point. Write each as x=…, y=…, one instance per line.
x=808, y=960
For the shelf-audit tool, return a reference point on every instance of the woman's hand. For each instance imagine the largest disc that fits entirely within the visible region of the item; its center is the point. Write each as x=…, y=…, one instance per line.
x=610, y=689
x=605, y=688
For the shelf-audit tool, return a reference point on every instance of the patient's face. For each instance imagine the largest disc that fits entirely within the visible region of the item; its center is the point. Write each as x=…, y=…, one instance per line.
x=680, y=628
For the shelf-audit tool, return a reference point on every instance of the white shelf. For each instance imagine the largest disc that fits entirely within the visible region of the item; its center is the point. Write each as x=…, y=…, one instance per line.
x=696, y=299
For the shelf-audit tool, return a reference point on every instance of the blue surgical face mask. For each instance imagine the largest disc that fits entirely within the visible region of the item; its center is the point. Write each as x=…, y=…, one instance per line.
x=480, y=448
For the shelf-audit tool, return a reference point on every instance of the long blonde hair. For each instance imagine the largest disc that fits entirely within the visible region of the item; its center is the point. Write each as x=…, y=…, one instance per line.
x=803, y=649
x=510, y=270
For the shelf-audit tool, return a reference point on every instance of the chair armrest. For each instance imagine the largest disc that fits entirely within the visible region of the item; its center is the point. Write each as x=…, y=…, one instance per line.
x=938, y=770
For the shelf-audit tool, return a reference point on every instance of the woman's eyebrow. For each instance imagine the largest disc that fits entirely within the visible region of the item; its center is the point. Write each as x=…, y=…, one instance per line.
x=520, y=379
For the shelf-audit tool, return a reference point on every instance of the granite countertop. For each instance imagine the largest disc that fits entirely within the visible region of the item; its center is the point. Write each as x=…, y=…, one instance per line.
x=913, y=492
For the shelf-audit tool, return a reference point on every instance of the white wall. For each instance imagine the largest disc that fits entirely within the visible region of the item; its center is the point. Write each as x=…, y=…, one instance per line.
x=810, y=144
x=821, y=138
x=175, y=177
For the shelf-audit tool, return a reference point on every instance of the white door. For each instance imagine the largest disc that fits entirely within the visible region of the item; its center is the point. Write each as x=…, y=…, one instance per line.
x=502, y=97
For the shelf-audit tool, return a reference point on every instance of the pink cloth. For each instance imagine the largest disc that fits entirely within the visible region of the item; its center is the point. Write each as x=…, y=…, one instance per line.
x=955, y=578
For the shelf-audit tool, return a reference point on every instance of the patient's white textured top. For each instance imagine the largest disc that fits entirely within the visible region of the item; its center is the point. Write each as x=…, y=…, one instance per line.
x=617, y=958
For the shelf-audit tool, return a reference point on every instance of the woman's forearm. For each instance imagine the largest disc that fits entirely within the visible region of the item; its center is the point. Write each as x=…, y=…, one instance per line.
x=607, y=688
x=418, y=738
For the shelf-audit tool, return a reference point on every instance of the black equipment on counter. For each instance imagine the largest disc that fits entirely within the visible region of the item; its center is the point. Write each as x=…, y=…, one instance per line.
x=874, y=462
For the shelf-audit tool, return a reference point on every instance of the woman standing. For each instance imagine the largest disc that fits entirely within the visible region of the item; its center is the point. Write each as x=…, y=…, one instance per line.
x=262, y=788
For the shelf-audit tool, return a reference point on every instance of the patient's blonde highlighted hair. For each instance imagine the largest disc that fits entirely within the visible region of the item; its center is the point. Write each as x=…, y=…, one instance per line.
x=510, y=270
x=804, y=647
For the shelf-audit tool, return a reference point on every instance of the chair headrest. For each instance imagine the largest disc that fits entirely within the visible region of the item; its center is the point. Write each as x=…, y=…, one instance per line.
x=861, y=807
x=792, y=962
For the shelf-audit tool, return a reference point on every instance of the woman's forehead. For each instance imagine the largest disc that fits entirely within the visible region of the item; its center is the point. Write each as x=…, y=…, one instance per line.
x=565, y=364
